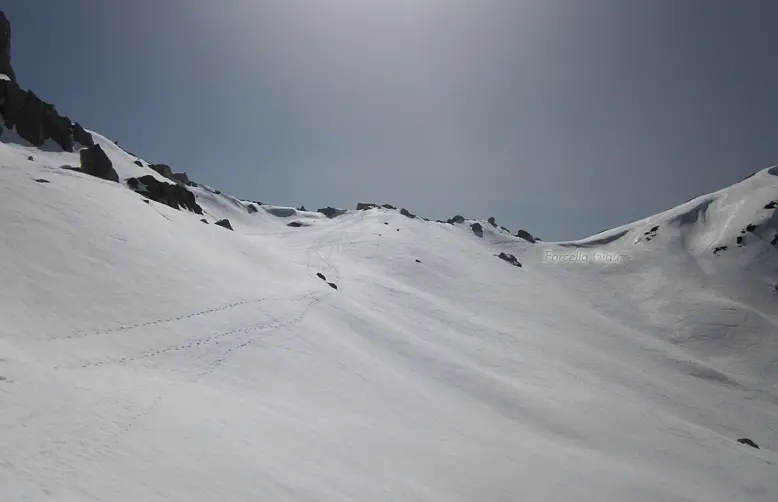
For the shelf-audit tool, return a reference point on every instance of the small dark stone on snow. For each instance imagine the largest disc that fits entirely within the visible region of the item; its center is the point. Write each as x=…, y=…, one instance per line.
x=740, y=239
x=748, y=442
x=302, y=208
x=492, y=221
x=333, y=285
x=224, y=223
x=477, y=229
x=509, y=258
x=321, y=276
x=654, y=229
x=203, y=220
x=41, y=180
x=418, y=261
x=251, y=208
x=774, y=242
x=294, y=224
x=138, y=163
x=386, y=223
x=719, y=248
x=146, y=201
x=750, y=227
x=30, y=157
x=772, y=204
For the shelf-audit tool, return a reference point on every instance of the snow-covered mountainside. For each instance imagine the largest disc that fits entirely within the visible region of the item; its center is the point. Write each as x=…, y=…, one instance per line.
x=146, y=355
x=162, y=341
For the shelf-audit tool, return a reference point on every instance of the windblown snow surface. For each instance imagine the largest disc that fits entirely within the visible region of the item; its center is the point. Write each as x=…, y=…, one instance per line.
x=147, y=356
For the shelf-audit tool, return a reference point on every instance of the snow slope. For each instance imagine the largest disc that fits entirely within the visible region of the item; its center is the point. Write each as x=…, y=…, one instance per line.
x=147, y=356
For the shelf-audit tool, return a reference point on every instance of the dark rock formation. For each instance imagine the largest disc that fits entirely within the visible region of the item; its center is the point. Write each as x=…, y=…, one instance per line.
x=302, y=208
x=251, y=208
x=331, y=212
x=175, y=196
x=5, y=48
x=748, y=442
x=204, y=221
x=407, y=213
x=35, y=120
x=81, y=136
x=750, y=227
x=718, y=249
x=333, y=285
x=294, y=224
x=364, y=206
x=388, y=206
x=509, y=258
x=739, y=239
x=456, y=219
x=138, y=163
x=492, y=221
x=162, y=169
x=95, y=162
x=224, y=223
x=477, y=229
x=418, y=261
x=525, y=235
x=771, y=205
x=321, y=276
x=181, y=178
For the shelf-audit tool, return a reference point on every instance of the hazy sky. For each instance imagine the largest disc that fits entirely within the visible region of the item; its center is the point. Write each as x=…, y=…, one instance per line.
x=563, y=117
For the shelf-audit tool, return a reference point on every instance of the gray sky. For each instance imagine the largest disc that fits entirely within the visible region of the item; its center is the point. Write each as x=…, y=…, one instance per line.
x=563, y=117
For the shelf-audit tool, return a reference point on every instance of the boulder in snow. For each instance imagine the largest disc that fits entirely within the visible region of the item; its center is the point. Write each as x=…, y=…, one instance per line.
x=95, y=162
x=224, y=223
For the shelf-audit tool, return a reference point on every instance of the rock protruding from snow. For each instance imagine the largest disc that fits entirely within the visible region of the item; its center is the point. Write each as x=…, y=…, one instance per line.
x=748, y=442
x=95, y=162
x=477, y=229
x=331, y=212
x=456, y=219
x=509, y=258
x=251, y=208
x=80, y=135
x=224, y=223
x=5, y=48
x=174, y=195
x=523, y=234
x=492, y=221
x=407, y=213
x=364, y=206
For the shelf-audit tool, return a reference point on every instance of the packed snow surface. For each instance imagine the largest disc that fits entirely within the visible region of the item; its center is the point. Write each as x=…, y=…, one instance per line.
x=147, y=356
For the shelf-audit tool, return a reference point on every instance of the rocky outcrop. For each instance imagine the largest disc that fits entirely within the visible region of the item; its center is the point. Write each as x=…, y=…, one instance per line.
x=331, y=212
x=492, y=222
x=364, y=206
x=748, y=442
x=224, y=223
x=407, y=213
x=174, y=195
x=477, y=229
x=388, y=206
x=456, y=219
x=302, y=208
x=162, y=169
x=251, y=208
x=526, y=236
x=182, y=178
x=509, y=258
x=34, y=119
x=5, y=48
x=95, y=162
